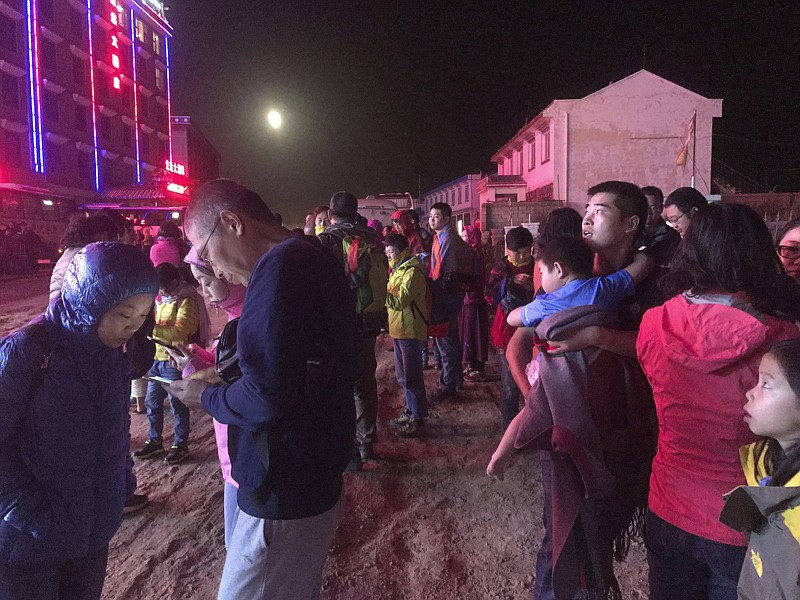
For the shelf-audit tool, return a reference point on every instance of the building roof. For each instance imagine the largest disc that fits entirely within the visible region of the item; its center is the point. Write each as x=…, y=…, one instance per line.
x=536, y=121
x=143, y=192
x=454, y=182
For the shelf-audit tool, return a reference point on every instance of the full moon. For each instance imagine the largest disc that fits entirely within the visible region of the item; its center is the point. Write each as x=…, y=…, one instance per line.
x=274, y=119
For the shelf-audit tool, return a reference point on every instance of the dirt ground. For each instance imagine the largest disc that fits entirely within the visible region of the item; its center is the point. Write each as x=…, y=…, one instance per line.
x=423, y=521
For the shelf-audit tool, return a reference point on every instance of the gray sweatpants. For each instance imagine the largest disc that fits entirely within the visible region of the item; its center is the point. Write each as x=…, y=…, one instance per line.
x=278, y=560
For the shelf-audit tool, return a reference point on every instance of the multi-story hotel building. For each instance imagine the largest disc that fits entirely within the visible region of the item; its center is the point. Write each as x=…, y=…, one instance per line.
x=84, y=100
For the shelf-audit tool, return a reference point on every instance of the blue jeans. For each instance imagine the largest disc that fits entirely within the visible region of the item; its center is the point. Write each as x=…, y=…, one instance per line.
x=452, y=377
x=509, y=392
x=689, y=567
x=77, y=579
x=408, y=368
x=154, y=401
x=543, y=583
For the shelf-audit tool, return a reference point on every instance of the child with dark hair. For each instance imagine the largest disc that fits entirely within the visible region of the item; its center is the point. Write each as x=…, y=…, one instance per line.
x=407, y=304
x=178, y=321
x=767, y=509
x=566, y=266
x=510, y=285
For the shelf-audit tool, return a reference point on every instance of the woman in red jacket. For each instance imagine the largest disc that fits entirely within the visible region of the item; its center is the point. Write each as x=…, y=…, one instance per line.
x=700, y=352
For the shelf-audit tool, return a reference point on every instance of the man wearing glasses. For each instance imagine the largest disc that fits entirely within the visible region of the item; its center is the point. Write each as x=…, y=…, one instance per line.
x=291, y=418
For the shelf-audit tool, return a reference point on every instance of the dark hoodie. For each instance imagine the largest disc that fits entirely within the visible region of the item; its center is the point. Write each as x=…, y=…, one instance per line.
x=64, y=440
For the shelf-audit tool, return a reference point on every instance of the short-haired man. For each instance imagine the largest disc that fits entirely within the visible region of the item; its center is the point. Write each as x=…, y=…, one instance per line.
x=660, y=240
x=370, y=286
x=451, y=263
x=290, y=417
x=612, y=225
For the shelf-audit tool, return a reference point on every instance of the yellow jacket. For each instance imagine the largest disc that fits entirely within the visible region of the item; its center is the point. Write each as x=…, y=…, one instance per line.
x=176, y=323
x=406, y=299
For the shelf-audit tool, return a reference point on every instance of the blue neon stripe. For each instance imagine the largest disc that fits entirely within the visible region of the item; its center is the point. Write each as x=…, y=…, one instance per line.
x=31, y=80
x=169, y=99
x=94, y=104
x=135, y=99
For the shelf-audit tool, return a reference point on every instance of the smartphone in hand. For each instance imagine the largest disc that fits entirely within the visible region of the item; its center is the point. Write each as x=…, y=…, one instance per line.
x=165, y=344
x=157, y=379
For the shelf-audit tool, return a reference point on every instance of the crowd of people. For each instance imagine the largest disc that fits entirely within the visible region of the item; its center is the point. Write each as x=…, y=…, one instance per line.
x=649, y=349
x=19, y=249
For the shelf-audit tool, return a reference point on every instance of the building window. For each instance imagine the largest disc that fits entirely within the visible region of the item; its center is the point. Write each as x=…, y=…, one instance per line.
x=9, y=88
x=78, y=70
x=105, y=127
x=156, y=43
x=46, y=8
x=81, y=118
x=8, y=34
x=140, y=33
x=160, y=79
x=48, y=54
x=50, y=106
x=76, y=23
x=127, y=98
x=532, y=155
x=144, y=105
x=163, y=153
x=53, y=158
x=12, y=152
x=85, y=167
x=102, y=86
x=545, y=146
x=127, y=136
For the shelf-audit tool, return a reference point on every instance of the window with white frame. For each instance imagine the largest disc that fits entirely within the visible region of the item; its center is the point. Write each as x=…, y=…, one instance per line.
x=532, y=155
x=546, y=145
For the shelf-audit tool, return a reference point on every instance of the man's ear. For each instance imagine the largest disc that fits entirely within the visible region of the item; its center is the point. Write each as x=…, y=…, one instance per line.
x=558, y=269
x=232, y=222
x=632, y=225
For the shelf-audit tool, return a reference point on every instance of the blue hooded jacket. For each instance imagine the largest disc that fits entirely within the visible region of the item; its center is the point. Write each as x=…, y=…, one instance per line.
x=65, y=470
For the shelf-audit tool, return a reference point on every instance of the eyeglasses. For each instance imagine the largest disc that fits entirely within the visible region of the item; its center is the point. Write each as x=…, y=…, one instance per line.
x=674, y=220
x=202, y=254
x=790, y=252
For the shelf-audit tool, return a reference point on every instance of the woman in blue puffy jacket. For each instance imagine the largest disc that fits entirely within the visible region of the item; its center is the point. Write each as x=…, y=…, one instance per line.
x=65, y=469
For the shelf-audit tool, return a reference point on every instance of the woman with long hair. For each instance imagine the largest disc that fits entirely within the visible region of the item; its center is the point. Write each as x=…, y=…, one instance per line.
x=730, y=302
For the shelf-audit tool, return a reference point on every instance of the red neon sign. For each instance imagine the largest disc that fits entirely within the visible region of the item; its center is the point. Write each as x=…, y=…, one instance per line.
x=173, y=167
x=115, y=18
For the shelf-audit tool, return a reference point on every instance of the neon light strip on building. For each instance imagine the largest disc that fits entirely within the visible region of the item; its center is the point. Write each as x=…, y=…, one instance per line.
x=135, y=98
x=94, y=102
x=169, y=98
x=33, y=72
x=149, y=11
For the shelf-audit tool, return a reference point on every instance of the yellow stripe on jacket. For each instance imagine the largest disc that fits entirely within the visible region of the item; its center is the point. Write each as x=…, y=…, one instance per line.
x=176, y=322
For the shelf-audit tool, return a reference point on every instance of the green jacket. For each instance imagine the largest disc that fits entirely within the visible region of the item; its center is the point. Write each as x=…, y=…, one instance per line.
x=407, y=300
x=770, y=516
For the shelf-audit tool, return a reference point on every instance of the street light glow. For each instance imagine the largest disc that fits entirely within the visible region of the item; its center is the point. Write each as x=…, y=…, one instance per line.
x=274, y=119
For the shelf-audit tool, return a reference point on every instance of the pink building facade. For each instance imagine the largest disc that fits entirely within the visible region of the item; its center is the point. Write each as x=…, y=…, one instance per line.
x=643, y=129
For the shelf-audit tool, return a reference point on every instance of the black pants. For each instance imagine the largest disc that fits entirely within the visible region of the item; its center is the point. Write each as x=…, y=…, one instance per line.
x=79, y=579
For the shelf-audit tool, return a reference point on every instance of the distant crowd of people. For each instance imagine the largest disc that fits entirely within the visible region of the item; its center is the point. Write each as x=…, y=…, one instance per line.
x=649, y=350
x=19, y=247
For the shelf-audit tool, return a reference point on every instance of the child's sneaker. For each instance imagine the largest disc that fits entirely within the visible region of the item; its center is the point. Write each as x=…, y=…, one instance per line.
x=412, y=428
x=474, y=376
x=177, y=453
x=401, y=420
x=151, y=449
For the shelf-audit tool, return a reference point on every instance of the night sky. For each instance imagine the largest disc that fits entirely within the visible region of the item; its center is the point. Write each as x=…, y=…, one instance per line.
x=382, y=97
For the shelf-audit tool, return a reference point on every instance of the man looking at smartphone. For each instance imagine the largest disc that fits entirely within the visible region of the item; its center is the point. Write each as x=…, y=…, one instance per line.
x=291, y=417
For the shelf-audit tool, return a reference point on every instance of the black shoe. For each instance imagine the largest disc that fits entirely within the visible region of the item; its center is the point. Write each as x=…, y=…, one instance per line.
x=151, y=449
x=177, y=453
x=401, y=420
x=444, y=394
x=413, y=428
x=356, y=464
x=134, y=503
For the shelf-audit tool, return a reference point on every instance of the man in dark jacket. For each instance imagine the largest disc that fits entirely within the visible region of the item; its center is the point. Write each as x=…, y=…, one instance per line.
x=290, y=417
x=371, y=313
